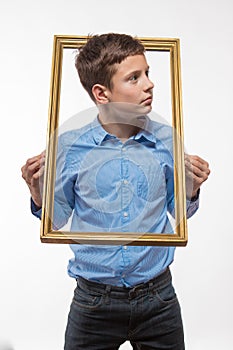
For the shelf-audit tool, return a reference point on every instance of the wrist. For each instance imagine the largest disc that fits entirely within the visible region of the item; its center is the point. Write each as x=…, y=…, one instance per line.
x=195, y=195
x=37, y=202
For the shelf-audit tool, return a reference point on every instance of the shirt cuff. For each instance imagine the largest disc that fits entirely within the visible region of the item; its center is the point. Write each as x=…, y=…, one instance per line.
x=35, y=209
x=192, y=204
x=195, y=198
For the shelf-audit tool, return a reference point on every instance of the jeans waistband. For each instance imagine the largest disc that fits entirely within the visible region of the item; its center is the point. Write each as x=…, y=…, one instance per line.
x=125, y=291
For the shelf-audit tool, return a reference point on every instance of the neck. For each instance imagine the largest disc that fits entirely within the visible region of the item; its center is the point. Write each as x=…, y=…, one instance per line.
x=121, y=131
x=121, y=119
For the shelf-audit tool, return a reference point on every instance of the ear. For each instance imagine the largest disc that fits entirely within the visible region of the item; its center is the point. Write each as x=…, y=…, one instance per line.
x=100, y=93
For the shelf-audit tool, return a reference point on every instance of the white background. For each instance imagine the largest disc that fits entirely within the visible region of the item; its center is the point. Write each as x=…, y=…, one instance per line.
x=35, y=289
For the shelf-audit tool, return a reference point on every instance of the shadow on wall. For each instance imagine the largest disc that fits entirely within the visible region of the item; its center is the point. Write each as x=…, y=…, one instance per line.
x=4, y=345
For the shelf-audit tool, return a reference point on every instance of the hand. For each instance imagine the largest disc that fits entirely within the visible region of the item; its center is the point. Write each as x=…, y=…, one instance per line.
x=32, y=173
x=196, y=172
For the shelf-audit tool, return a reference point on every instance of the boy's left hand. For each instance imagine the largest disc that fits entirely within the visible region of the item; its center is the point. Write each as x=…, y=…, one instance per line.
x=196, y=172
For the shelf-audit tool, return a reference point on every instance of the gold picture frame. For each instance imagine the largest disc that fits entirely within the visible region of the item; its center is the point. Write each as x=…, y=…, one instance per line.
x=180, y=236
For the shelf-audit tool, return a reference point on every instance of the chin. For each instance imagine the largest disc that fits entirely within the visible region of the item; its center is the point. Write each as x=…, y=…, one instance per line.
x=147, y=109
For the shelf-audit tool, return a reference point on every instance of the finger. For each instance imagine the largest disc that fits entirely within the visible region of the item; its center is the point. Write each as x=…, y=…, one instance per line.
x=28, y=171
x=31, y=165
x=197, y=172
x=190, y=156
x=35, y=158
x=193, y=161
x=37, y=176
x=31, y=169
x=191, y=171
x=196, y=160
x=196, y=178
x=196, y=165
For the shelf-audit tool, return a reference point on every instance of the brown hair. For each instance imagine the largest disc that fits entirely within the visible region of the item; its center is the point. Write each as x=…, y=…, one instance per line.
x=96, y=61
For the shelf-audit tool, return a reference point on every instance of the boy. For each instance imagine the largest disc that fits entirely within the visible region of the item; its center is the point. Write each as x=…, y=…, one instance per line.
x=116, y=174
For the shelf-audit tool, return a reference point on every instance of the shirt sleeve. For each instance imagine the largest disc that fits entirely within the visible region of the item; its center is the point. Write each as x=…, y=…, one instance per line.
x=64, y=189
x=66, y=174
x=36, y=211
x=192, y=205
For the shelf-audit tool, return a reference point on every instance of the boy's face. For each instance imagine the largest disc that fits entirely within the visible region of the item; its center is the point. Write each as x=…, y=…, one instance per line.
x=131, y=84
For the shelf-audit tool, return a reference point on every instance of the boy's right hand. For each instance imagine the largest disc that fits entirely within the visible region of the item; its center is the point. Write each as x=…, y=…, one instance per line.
x=32, y=173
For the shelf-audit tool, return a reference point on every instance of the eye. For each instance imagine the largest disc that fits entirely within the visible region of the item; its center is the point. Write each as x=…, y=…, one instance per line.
x=133, y=77
x=147, y=73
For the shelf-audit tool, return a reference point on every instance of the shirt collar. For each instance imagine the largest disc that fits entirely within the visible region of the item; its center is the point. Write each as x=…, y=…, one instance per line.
x=100, y=134
x=148, y=132
x=98, y=131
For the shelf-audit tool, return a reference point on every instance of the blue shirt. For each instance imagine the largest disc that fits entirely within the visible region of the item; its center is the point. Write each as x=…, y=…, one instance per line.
x=106, y=185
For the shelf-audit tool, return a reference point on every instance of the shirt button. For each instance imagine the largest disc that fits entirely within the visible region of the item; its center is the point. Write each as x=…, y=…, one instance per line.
x=125, y=182
x=123, y=149
x=125, y=214
x=125, y=247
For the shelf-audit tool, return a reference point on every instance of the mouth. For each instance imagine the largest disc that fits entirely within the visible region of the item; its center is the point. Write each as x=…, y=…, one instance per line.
x=147, y=101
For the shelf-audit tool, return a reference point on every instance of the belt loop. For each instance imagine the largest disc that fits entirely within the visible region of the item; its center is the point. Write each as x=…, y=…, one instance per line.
x=150, y=291
x=107, y=292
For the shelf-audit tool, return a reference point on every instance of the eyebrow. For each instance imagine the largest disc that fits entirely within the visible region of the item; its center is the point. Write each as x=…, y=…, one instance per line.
x=136, y=71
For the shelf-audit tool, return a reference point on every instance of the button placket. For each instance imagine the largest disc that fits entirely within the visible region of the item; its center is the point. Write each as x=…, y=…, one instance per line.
x=125, y=188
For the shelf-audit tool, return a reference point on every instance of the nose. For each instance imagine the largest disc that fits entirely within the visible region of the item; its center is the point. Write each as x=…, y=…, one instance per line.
x=148, y=85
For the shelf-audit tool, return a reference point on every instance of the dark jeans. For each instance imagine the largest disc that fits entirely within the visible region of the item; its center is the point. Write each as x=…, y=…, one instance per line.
x=103, y=317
